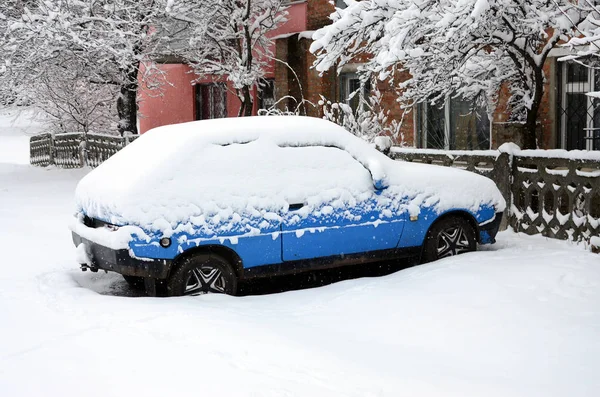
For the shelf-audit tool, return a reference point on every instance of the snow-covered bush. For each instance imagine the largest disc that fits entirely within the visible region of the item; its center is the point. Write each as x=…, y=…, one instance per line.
x=368, y=121
x=73, y=104
x=282, y=107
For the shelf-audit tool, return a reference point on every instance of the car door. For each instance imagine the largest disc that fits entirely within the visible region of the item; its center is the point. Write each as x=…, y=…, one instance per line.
x=334, y=208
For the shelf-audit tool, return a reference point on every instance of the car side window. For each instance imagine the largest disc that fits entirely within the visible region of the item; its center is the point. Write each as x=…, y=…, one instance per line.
x=317, y=171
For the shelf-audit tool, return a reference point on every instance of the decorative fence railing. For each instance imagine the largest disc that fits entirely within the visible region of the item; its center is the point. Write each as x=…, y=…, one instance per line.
x=75, y=150
x=551, y=192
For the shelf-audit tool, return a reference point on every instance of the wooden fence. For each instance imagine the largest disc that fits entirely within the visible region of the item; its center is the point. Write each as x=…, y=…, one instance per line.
x=75, y=150
x=547, y=192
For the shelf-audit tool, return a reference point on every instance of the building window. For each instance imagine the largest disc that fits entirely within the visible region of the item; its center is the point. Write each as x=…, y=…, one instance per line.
x=267, y=95
x=455, y=126
x=579, y=113
x=211, y=101
x=353, y=91
x=340, y=4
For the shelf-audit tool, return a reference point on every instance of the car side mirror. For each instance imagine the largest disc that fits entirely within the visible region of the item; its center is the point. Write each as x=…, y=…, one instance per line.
x=380, y=184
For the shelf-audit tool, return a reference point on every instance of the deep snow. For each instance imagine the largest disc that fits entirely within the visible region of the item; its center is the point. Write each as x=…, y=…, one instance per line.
x=521, y=318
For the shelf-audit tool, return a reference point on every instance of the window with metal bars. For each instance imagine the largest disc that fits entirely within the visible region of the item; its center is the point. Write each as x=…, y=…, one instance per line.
x=579, y=113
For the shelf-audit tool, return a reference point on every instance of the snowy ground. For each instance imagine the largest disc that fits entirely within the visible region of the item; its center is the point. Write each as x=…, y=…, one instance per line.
x=521, y=318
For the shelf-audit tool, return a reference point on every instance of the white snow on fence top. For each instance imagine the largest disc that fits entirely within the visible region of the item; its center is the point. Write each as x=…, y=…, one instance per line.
x=219, y=172
x=510, y=148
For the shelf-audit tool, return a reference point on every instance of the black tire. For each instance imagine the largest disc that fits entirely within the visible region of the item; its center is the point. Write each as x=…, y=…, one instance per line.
x=202, y=274
x=452, y=235
x=135, y=282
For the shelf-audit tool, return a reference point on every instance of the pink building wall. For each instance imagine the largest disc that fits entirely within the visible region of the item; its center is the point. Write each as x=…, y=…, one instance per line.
x=176, y=103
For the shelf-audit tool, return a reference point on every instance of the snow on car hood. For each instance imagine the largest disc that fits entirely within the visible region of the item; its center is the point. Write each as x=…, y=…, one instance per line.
x=214, y=174
x=443, y=188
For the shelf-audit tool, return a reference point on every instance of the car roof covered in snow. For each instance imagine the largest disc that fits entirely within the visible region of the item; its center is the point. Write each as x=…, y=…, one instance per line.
x=281, y=130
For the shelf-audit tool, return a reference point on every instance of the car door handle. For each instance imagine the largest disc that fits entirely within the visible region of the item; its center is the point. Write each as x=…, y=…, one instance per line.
x=297, y=206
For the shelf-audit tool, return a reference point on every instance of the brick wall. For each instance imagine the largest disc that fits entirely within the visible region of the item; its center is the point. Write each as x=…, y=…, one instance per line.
x=390, y=103
x=318, y=12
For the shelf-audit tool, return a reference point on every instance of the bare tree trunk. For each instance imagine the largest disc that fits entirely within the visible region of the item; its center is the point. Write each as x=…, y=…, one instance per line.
x=530, y=132
x=127, y=102
x=248, y=104
x=247, y=101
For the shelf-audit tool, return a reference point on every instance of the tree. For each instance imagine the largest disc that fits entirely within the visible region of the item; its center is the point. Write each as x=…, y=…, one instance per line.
x=229, y=39
x=70, y=104
x=106, y=40
x=467, y=48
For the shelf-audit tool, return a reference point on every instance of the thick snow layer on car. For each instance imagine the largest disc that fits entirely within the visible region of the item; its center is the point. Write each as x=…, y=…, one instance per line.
x=520, y=319
x=212, y=174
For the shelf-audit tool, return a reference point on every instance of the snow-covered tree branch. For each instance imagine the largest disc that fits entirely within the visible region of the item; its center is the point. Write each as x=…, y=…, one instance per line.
x=585, y=45
x=229, y=40
x=453, y=48
x=106, y=41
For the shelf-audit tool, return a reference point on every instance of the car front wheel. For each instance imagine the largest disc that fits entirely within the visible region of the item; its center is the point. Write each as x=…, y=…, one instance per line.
x=450, y=236
x=202, y=274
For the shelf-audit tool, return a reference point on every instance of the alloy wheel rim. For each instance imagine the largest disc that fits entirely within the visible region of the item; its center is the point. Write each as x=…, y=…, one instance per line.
x=452, y=241
x=205, y=280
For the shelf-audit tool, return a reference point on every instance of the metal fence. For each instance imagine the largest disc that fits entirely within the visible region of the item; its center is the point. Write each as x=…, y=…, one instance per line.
x=546, y=192
x=75, y=150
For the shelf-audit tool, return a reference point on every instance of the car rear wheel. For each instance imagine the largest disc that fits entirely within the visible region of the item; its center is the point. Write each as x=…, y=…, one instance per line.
x=450, y=236
x=202, y=274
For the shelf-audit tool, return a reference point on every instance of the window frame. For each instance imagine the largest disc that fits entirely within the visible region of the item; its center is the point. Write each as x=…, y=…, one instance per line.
x=344, y=89
x=577, y=87
x=269, y=85
x=198, y=100
x=421, y=133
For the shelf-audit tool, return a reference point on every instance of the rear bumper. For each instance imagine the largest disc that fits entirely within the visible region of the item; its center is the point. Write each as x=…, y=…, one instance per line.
x=120, y=261
x=488, y=231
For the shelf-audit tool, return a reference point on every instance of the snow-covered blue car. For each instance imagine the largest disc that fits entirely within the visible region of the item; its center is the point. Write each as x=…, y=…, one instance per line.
x=201, y=205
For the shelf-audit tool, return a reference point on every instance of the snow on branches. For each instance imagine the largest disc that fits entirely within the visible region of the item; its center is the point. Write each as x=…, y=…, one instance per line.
x=229, y=39
x=102, y=43
x=465, y=48
x=585, y=46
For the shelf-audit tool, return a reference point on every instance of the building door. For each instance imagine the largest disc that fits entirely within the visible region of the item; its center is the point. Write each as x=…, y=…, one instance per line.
x=211, y=101
x=579, y=113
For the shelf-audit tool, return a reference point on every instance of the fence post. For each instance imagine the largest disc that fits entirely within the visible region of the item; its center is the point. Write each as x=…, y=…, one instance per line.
x=503, y=177
x=52, y=149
